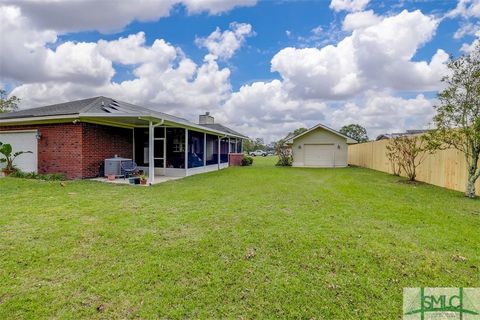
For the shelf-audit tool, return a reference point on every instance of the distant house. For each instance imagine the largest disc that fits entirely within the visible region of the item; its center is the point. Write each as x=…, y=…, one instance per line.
x=406, y=133
x=76, y=137
x=320, y=146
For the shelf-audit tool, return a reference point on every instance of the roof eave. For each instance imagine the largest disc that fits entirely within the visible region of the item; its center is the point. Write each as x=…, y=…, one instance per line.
x=80, y=116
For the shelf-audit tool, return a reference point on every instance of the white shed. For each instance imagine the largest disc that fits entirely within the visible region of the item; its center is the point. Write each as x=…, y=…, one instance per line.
x=320, y=147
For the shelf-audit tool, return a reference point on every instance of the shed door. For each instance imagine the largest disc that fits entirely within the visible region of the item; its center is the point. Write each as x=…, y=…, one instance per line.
x=319, y=155
x=22, y=141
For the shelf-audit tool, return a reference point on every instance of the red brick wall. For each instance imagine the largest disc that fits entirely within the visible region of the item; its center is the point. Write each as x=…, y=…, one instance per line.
x=77, y=150
x=235, y=159
x=59, y=148
x=101, y=142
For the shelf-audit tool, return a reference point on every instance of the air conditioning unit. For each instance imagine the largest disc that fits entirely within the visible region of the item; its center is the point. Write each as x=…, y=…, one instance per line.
x=113, y=166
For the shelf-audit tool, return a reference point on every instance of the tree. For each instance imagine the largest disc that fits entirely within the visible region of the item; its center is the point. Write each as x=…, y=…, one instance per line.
x=8, y=104
x=355, y=131
x=284, y=153
x=8, y=157
x=407, y=153
x=394, y=157
x=457, y=120
x=252, y=145
x=296, y=132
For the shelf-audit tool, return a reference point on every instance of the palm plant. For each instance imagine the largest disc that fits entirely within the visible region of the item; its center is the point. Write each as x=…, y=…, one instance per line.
x=9, y=157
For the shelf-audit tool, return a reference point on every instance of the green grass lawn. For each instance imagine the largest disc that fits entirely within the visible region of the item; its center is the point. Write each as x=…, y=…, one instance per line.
x=245, y=242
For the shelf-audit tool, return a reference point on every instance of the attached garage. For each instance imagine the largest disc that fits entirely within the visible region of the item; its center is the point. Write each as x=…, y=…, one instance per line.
x=320, y=147
x=24, y=140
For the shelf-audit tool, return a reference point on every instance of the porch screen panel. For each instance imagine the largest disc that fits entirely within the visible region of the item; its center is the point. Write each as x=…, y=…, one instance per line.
x=224, y=150
x=141, y=146
x=211, y=153
x=195, y=149
x=158, y=152
x=239, y=146
x=175, y=148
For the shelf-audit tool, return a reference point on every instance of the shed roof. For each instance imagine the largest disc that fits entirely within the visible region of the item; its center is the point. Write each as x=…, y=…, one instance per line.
x=318, y=126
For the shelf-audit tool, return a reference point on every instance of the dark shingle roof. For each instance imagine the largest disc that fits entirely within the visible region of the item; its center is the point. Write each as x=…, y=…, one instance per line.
x=102, y=106
x=220, y=127
x=66, y=108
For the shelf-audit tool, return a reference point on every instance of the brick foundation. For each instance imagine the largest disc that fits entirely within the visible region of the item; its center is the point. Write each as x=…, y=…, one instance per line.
x=235, y=159
x=77, y=150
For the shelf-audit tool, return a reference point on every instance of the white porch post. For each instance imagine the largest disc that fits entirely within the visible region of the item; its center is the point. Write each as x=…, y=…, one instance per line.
x=204, y=149
x=229, y=145
x=186, y=152
x=218, y=153
x=151, y=161
x=165, y=151
x=236, y=145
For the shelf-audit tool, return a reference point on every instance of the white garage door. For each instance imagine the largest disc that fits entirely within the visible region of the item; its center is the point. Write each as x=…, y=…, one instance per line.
x=23, y=141
x=319, y=155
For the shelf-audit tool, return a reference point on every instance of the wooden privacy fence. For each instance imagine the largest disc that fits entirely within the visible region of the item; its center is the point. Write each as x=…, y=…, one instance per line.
x=444, y=168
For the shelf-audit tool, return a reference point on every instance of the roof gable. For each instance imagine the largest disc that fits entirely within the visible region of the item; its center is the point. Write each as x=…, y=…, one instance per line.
x=324, y=127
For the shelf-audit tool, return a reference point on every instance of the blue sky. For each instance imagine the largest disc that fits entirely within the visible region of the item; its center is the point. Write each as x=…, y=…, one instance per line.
x=271, y=20
x=266, y=70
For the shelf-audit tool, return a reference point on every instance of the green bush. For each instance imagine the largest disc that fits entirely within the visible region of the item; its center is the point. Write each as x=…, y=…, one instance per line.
x=247, y=161
x=284, y=161
x=36, y=176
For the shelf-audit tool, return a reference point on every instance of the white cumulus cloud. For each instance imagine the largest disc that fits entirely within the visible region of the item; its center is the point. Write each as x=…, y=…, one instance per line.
x=225, y=44
x=348, y=5
x=375, y=57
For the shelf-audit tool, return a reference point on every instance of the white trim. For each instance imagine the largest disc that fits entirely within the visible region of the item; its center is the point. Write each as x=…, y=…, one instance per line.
x=218, y=151
x=151, y=160
x=26, y=119
x=186, y=148
x=223, y=165
x=92, y=116
x=133, y=143
x=165, y=149
x=204, y=149
x=19, y=131
x=349, y=140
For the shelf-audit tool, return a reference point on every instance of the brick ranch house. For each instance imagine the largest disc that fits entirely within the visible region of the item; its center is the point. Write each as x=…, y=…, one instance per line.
x=76, y=137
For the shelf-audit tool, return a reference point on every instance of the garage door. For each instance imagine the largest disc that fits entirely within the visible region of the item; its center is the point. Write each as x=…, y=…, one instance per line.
x=319, y=155
x=23, y=141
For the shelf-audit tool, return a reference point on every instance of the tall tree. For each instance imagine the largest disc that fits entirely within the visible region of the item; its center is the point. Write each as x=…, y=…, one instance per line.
x=296, y=132
x=458, y=115
x=355, y=131
x=8, y=104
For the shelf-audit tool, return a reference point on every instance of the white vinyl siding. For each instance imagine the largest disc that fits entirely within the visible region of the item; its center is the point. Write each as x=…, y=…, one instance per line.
x=320, y=148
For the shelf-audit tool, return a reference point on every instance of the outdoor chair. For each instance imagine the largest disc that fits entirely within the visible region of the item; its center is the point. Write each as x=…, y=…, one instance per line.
x=128, y=168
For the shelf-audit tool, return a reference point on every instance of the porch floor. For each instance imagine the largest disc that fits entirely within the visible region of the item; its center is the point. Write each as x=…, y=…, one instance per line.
x=158, y=179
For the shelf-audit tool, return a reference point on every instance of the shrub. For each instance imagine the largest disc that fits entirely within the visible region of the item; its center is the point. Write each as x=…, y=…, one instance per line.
x=406, y=154
x=284, y=153
x=36, y=176
x=247, y=161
